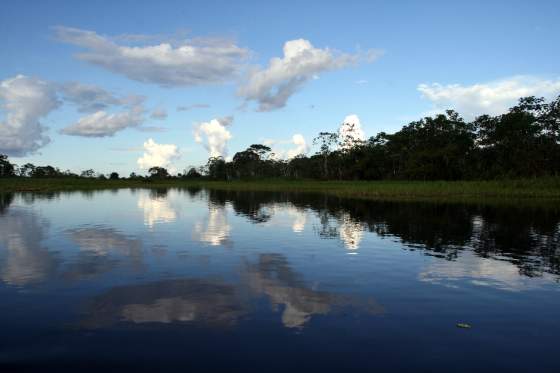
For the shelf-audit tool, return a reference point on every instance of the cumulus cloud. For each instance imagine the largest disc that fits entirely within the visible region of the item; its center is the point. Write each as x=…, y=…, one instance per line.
x=193, y=106
x=492, y=98
x=185, y=63
x=159, y=114
x=158, y=155
x=280, y=147
x=350, y=131
x=272, y=87
x=214, y=136
x=104, y=124
x=24, y=101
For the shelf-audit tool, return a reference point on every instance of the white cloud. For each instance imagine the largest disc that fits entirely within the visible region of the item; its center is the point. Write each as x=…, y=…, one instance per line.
x=492, y=98
x=158, y=155
x=159, y=114
x=300, y=146
x=214, y=136
x=103, y=124
x=350, y=131
x=272, y=87
x=186, y=63
x=24, y=101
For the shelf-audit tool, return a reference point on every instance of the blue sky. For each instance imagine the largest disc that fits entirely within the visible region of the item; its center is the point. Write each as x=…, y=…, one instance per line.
x=367, y=58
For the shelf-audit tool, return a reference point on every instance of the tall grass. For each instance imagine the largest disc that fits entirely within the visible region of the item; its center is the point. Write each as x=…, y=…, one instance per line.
x=539, y=188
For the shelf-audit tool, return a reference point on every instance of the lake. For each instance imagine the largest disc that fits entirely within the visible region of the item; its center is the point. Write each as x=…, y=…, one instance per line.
x=201, y=280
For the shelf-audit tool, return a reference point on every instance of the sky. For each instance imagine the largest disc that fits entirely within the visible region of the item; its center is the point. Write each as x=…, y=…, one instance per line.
x=127, y=85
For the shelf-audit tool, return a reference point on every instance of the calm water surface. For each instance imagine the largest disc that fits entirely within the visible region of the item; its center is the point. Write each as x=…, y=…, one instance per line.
x=196, y=280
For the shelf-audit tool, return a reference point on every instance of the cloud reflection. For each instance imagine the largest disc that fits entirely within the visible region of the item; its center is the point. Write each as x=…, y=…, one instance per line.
x=217, y=303
x=214, y=228
x=156, y=207
x=26, y=261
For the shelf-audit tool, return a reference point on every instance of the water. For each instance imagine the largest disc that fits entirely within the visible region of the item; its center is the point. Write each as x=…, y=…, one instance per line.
x=196, y=280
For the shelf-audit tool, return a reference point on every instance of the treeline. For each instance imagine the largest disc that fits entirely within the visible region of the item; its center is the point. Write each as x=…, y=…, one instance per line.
x=524, y=142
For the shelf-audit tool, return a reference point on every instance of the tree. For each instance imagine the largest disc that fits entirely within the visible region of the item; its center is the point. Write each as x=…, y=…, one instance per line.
x=27, y=170
x=193, y=174
x=114, y=176
x=327, y=142
x=158, y=173
x=216, y=168
x=46, y=171
x=7, y=169
x=88, y=173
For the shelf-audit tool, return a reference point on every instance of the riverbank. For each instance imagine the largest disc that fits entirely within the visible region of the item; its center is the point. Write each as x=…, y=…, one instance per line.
x=541, y=188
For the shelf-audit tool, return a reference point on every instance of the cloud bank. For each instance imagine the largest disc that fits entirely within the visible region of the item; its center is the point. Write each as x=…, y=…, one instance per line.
x=271, y=87
x=187, y=63
x=25, y=101
x=492, y=98
x=104, y=124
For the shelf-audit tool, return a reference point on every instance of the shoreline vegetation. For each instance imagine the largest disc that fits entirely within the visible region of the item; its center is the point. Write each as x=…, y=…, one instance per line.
x=509, y=157
x=545, y=190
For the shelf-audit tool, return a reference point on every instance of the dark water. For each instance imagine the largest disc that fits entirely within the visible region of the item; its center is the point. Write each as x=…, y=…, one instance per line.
x=195, y=280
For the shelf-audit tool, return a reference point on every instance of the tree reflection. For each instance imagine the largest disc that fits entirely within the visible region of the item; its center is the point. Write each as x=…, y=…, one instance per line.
x=528, y=237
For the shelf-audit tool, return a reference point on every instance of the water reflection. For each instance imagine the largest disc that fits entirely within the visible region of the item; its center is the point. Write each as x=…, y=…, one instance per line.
x=103, y=240
x=184, y=300
x=220, y=303
x=24, y=260
x=156, y=207
x=529, y=237
x=214, y=228
x=273, y=277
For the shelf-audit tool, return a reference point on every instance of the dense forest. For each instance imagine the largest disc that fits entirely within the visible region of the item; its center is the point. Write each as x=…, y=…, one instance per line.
x=524, y=142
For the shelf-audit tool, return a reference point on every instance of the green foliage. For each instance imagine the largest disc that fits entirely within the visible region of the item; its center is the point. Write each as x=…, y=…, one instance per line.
x=7, y=169
x=158, y=173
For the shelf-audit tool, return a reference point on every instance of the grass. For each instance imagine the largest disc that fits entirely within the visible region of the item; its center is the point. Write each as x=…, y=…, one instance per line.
x=545, y=190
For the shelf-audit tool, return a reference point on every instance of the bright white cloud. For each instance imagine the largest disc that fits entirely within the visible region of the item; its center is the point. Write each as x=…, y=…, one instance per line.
x=187, y=63
x=158, y=155
x=350, y=131
x=492, y=98
x=103, y=124
x=24, y=101
x=272, y=87
x=280, y=150
x=300, y=146
x=159, y=114
x=214, y=136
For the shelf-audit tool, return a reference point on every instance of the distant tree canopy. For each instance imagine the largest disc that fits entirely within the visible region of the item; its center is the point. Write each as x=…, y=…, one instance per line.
x=158, y=173
x=523, y=142
x=6, y=168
